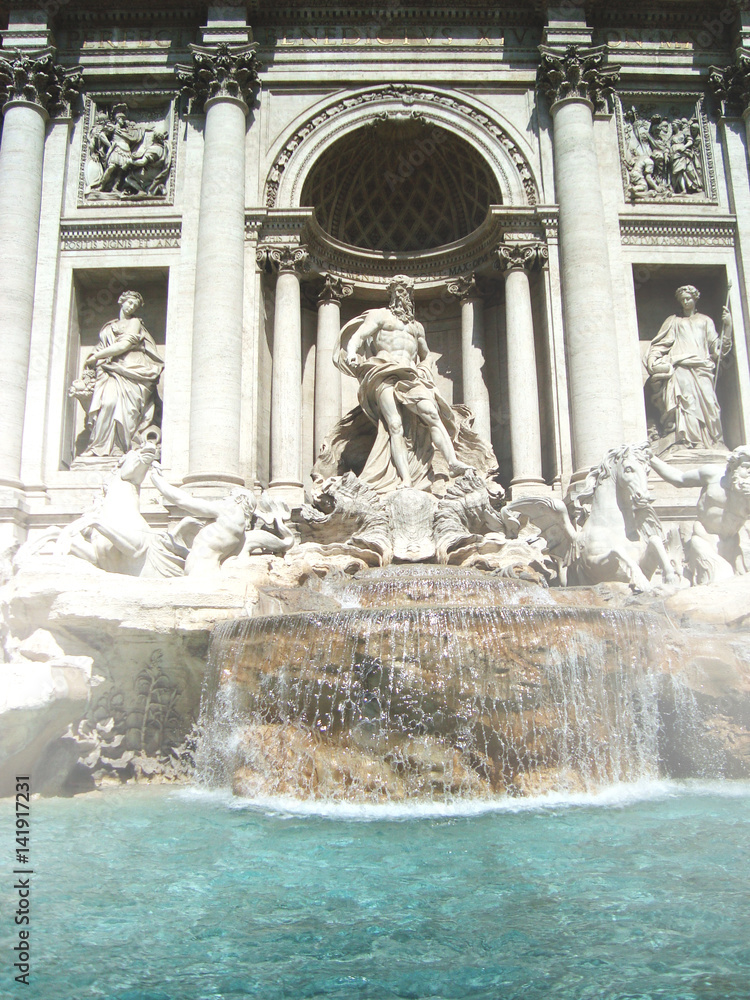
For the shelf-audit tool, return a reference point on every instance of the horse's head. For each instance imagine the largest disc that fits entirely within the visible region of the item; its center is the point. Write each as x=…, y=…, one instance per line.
x=630, y=467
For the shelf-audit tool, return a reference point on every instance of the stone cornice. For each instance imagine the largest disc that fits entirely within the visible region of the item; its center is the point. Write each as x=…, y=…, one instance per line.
x=35, y=78
x=476, y=252
x=578, y=73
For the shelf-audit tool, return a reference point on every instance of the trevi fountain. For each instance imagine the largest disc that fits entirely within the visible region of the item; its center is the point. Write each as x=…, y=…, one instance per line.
x=375, y=500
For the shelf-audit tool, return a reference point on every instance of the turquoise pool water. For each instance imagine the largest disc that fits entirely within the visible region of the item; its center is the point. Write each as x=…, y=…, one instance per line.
x=152, y=894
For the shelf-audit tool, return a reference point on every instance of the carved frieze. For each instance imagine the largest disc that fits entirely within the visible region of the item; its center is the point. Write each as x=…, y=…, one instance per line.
x=407, y=96
x=577, y=73
x=37, y=79
x=141, y=235
x=678, y=232
x=665, y=149
x=128, y=151
x=220, y=71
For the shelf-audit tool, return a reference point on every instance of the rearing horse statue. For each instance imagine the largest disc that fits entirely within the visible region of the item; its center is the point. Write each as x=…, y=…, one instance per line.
x=619, y=539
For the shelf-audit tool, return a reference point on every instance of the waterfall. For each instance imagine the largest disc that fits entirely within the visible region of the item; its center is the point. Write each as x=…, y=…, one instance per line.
x=439, y=684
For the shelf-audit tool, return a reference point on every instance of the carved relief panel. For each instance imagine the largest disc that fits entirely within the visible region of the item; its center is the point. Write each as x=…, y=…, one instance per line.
x=128, y=150
x=665, y=149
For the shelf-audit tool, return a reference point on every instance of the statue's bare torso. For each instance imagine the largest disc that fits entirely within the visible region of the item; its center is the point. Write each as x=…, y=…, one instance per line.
x=391, y=338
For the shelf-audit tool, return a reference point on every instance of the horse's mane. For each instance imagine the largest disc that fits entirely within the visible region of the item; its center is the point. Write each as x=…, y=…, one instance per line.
x=647, y=519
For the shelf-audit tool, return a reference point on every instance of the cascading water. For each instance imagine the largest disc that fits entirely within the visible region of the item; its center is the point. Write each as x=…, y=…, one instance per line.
x=432, y=682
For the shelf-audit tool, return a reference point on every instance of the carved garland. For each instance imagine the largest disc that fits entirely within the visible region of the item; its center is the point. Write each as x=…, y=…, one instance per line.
x=410, y=94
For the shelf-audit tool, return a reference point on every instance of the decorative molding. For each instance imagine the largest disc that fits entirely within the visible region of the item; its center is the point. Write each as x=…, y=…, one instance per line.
x=730, y=85
x=405, y=94
x=334, y=289
x=643, y=178
x=578, y=73
x=521, y=256
x=678, y=232
x=220, y=71
x=140, y=235
x=476, y=252
x=36, y=78
x=153, y=111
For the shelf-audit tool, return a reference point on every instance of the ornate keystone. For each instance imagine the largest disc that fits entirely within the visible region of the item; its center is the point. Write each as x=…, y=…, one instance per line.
x=526, y=256
x=577, y=73
x=38, y=79
x=464, y=288
x=731, y=84
x=221, y=71
x=334, y=290
x=282, y=258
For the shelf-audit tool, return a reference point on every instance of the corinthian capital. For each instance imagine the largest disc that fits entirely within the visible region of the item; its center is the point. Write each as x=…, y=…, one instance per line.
x=36, y=78
x=282, y=258
x=334, y=290
x=577, y=73
x=526, y=256
x=731, y=84
x=221, y=71
x=464, y=288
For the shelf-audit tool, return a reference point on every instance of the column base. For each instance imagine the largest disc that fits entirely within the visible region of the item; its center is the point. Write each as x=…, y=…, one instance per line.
x=289, y=491
x=212, y=484
x=528, y=487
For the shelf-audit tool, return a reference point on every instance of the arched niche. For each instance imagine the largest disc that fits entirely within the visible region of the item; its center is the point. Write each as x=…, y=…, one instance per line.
x=505, y=160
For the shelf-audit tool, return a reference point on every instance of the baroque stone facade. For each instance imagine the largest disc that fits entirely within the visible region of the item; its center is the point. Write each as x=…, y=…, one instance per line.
x=544, y=178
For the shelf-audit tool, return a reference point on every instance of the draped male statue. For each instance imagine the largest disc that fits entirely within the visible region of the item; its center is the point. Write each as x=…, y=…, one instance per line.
x=398, y=394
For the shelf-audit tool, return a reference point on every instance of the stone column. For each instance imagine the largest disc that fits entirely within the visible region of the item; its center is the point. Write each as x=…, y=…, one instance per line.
x=516, y=260
x=286, y=375
x=327, y=376
x=576, y=83
x=34, y=89
x=222, y=81
x=476, y=394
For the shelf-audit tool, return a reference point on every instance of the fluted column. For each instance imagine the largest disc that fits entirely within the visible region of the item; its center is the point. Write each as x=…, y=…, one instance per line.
x=576, y=83
x=34, y=88
x=327, y=376
x=516, y=261
x=286, y=376
x=476, y=394
x=222, y=81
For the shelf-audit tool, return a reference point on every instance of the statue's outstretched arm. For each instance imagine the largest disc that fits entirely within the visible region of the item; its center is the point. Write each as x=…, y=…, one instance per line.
x=182, y=499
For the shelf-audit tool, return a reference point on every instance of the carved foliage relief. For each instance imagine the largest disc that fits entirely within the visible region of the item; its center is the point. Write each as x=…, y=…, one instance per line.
x=665, y=151
x=128, y=152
